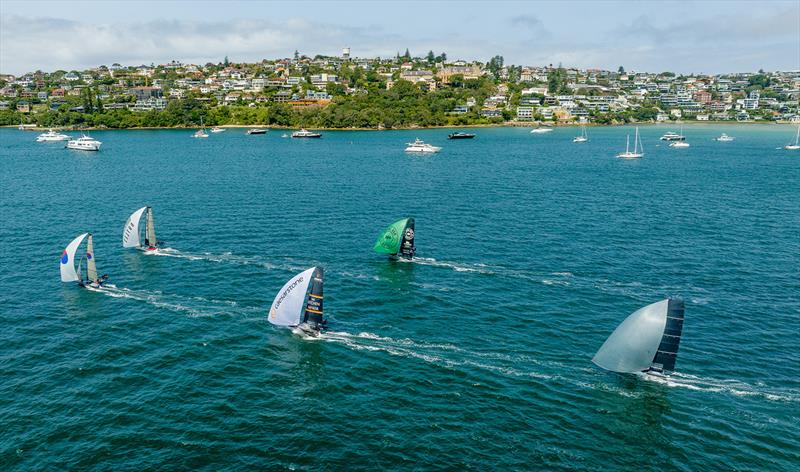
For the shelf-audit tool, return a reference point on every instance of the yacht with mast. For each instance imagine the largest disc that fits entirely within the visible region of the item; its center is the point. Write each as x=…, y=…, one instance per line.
x=131, y=233
x=796, y=145
x=680, y=143
x=72, y=273
x=201, y=133
x=583, y=137
x=638, y=149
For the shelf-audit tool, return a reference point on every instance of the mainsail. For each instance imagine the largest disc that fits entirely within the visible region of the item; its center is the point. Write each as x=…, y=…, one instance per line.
x=91, y=267
x=299, y=300
x=150, y=230
x=648, y=339
x=397, y=238
x=130, y=234
x=68, y=273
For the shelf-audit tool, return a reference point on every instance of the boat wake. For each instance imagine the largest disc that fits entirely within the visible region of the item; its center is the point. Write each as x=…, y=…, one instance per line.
x=225, y=258
x=193, y=306
x=444, y=355
x=429, y=261
x=728, y=386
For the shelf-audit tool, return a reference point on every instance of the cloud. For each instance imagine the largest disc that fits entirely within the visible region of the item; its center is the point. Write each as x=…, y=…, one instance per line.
x=532, y=26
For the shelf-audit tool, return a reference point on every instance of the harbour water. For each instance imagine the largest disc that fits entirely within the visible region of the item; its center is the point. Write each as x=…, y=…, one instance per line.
x=476, y=356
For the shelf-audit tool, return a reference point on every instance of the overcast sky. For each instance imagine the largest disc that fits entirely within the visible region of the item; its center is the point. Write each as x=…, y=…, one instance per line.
x=688, y=36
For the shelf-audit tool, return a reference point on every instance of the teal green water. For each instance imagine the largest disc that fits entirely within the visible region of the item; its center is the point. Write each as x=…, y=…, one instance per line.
x=476, y=356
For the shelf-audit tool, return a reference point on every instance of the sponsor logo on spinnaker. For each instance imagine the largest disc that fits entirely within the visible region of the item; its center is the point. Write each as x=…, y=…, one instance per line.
x=285, y=294
x=64, y=257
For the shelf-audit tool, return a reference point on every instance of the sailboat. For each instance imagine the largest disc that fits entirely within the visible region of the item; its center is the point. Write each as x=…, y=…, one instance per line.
x=71, y=273
x=638, y=149
x=201, y=133
x=397, y=240
x=647, y=341
x=681, y=143
x=796, y=145
x=298, y=303
x=131, y=234
x=583, y=137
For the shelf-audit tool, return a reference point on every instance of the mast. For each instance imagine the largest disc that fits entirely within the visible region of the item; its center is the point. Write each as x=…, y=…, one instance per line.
x=91, y=267
x=312, y=313
x=628, y=144
x=150, y=229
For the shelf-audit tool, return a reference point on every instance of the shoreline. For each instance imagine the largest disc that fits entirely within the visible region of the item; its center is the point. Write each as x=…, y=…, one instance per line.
x=509, y=124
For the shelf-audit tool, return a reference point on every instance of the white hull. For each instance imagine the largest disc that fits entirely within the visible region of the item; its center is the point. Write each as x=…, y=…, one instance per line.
x=541, y=130
x=630, y=155
x=679, y=144
x=83, y=146
x=791, y=147
x=580, y=139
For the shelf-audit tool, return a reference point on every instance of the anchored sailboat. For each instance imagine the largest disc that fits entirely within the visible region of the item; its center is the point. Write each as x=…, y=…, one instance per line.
x=131, y=234
x=583, y=137
x=397, y=240
x=299, y=302
x=71, y=273
x=796, y=145
x=647, y=341
x=638, y=149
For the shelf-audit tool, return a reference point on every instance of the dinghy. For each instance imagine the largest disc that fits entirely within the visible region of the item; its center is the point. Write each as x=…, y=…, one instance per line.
x=131, y=234
x=299, y=302
x=397, y=240
x=647, y=341
x=71, y=273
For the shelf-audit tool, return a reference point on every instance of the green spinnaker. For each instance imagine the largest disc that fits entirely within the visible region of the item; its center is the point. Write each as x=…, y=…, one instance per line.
x=389, y=241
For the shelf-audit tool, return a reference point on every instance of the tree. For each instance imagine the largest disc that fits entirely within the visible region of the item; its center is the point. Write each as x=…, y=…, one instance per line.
x=226, y=62
x=407, y=55
x=431, y=57
x=621, y=70
x=495, y=64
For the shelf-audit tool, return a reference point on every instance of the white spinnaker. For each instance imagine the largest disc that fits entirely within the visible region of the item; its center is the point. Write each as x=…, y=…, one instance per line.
x=91, y=267
x=130, y=234
x=633, y=345
x=150, y=228
x=287, y=308
x=68, y=273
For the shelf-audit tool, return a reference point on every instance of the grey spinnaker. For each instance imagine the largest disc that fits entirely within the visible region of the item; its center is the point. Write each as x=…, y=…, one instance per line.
x=647, y=340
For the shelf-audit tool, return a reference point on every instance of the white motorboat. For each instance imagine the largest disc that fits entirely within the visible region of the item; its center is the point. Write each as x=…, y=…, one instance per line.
x=304, y=133
x=672, y=136
x=420, y=146
x=679, y=144
x=52, y=135
x=638, y=149
x=541, y=130
x=724, y=138
x=217, y=129
x=84, y=143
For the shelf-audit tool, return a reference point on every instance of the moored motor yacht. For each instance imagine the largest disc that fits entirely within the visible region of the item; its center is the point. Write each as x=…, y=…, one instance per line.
x=420, y=146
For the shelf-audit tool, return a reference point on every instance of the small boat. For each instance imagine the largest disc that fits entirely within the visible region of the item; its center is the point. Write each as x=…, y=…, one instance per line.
x=52, y=135
x=298, y=303
x=71, y=273
x=647, y=341
x=638, y=149
x=541, y=130
x=460, y=135
x=256, y=131
x=724, y=138
x=419, y=146
x=582, y=138
x=201, y=133
x=84, y=143
x=397, y=240
x=217, y=129
x=284, y=135
x=679, y=143
x=131, y=233
x=303, y=133
x=796, y=145
x=672, y=136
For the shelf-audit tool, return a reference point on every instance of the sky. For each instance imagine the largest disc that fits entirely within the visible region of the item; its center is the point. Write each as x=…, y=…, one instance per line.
x=710, y=36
